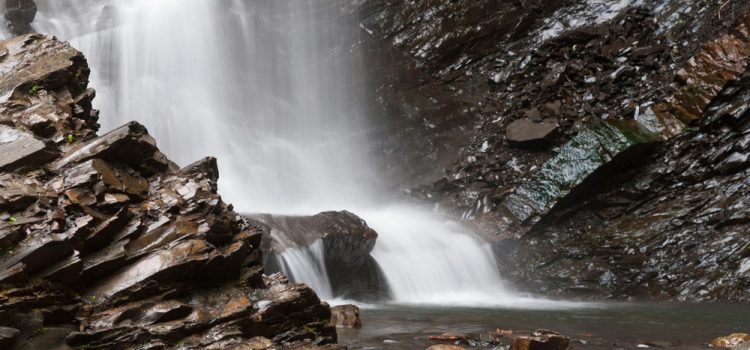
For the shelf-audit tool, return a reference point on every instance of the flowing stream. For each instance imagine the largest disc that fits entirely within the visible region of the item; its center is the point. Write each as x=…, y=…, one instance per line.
x=273, y=89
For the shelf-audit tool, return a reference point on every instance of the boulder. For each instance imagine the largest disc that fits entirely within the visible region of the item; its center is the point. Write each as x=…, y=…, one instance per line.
x=541, y=340
x=527, y=132
x=346, y=240
x=346, y=316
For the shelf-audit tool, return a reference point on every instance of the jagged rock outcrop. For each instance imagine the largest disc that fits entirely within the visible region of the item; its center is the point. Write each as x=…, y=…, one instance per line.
x=346, y=243
x=107, y=244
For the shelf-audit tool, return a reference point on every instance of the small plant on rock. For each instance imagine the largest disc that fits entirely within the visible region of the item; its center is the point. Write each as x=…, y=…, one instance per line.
x=35, y=90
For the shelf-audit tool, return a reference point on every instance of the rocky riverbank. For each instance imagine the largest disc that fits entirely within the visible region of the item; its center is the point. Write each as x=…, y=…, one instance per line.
x=107, y=244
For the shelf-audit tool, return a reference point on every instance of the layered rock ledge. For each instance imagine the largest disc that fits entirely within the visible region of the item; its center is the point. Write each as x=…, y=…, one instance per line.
x=107, y=244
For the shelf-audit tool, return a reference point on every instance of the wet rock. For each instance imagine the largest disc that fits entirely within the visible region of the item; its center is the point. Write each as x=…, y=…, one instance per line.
x=346, y=316
x=731, y=340
x=733, y=162
x=527, y=132
x=112, y=178
x=541, y=340
x=8, y=337
x=18, y=193
x=34, y=63
x=129, y=144
x=207, y=166
x=588, y=155
x=346, y=240
x=37, y=252
x=22, y=150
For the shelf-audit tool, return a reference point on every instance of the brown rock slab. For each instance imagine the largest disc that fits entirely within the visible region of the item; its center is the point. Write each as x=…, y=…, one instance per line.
x=38, y=253
x=19, y=149
x=38, y=60
x=527, y=132
x=541, y=340
x=129, y=144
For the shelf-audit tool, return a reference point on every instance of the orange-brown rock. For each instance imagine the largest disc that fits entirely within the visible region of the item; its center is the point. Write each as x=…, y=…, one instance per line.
x=730, y=340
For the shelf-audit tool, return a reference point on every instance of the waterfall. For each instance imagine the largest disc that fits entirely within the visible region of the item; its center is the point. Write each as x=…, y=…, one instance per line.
x=3, y=22
x=273, y=89
x=306, y=264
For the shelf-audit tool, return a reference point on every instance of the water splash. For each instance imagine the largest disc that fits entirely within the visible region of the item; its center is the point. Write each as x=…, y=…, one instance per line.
x=306, y=264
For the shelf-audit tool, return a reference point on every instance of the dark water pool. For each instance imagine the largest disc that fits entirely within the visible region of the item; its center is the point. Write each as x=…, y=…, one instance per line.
x=600, y=326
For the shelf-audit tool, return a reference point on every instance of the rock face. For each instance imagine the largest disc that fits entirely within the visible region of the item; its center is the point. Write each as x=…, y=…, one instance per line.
x=347, y=242
x=19, y=14
x=106, y=243
x=595, y=152
x=346, y=316
x=638, y=195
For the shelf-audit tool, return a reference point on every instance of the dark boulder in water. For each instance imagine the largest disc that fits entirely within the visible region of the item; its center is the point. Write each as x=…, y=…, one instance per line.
x=346, y=242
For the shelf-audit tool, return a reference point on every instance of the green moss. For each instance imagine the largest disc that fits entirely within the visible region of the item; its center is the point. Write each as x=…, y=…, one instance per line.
x=312, y=330
x=35, y=89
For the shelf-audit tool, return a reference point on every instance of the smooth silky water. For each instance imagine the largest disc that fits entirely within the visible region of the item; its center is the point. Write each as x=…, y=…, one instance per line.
x=274, y=89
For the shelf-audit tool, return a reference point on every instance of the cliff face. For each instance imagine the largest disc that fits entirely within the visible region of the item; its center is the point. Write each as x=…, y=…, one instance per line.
x=106, y=243
x=566, y=129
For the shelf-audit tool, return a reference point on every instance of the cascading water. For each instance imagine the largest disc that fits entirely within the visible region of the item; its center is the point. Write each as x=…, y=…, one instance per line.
x=3, y=22
x=271, y=88
x=306, y=263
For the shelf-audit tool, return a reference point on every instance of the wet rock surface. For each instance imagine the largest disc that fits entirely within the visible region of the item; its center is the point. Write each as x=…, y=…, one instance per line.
x=346, y=316
x=541, y=340
x=106, y=244
x=346, y=243
x=652, y=210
